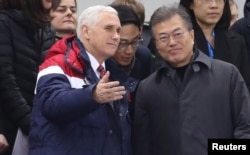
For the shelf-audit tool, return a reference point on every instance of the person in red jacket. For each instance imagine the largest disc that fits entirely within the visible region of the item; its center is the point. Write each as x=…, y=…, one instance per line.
x=76, y=109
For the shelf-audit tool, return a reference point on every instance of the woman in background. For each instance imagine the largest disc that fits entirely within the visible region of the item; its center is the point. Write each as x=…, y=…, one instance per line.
x=242, y=27
x=211, y=20
x=234, y=12
x=64, y=17
x=25, y=38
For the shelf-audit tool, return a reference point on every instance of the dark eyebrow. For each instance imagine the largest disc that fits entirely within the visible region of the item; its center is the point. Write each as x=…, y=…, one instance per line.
x=128, y=40
x=64, y=6
x=164, y=33
x=177, y=29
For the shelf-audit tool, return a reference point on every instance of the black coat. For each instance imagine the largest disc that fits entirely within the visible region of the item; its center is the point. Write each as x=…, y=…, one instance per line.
x=177, y=118
x=242, y=27
x=228, y=46
x=22, y=48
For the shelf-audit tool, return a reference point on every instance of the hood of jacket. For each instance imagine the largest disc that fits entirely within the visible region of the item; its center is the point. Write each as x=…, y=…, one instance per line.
x=69, y=49
x=69, y=52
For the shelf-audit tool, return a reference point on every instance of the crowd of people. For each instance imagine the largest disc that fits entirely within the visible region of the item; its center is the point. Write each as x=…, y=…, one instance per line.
x=109, y=83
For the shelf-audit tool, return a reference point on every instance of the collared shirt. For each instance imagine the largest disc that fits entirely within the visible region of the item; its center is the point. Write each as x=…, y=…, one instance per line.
x=94, y=64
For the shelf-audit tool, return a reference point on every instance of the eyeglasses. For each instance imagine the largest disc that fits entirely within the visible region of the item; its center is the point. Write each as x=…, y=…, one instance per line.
x=123, y=45
x=165, y=38
x=209, y=2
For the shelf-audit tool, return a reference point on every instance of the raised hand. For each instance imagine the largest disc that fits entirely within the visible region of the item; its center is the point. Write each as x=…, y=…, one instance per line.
x=106, y=91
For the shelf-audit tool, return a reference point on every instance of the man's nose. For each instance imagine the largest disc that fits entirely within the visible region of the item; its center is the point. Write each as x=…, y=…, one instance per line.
x=69, y=12
x=172, y=41
x=116, y=36
x=130, y=49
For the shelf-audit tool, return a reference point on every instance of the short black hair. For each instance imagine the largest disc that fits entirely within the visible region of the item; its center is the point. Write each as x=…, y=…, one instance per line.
x=167, y=12
x=127, y=15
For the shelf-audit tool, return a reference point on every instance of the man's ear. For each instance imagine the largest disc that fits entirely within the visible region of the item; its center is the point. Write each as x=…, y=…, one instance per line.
x=192, y=33
x=85, y=31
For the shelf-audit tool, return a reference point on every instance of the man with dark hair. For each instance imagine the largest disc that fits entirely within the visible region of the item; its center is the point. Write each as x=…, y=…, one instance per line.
x=133, y=58
x=191, y=98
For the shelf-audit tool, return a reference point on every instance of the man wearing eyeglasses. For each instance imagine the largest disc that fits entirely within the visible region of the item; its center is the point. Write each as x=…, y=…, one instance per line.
x=191, y=98
x=131, y=57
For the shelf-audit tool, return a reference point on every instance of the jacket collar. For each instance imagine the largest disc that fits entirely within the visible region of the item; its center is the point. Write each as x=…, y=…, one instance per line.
x=199, y=59
x=117, y=74
x=202, y=59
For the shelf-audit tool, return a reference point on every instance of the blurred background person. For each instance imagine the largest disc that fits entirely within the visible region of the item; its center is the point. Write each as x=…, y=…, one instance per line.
x=64, y=17
x=246, y=8
x=211, y=20
x=234, y=12
x=131, y=57
x=25, y=38
x=145, y=30
x=130, y=54
x=137, y=6
x=242, y=27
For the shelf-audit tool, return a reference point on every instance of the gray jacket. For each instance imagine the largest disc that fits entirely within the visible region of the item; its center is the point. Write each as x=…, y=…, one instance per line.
x=177, y=118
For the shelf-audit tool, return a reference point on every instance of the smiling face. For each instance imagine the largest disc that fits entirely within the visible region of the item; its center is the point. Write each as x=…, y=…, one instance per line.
x=207, y=12
x=103, y=38
x=174, y=41
x=47, y=4
x=64, y=17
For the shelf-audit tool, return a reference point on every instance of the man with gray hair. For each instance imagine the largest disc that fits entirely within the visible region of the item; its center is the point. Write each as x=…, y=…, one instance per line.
x=191, y=98
x=75, y=106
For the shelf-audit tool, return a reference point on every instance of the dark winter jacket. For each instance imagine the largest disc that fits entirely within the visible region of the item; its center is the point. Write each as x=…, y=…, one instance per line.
x=246, y=8
x=242, y=27
x=228, y=46
x=142, y=68
x=178, y=118
x=22, y=48
x=65, y=118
